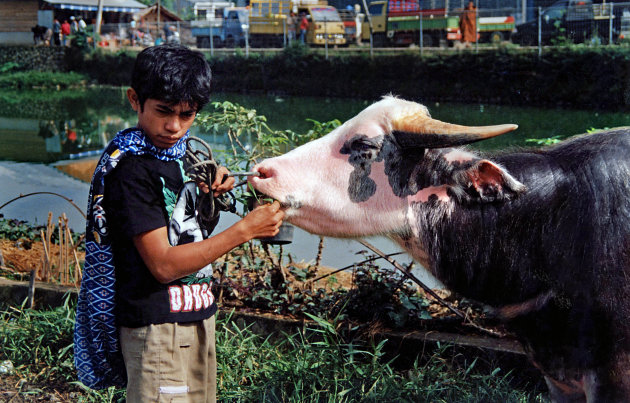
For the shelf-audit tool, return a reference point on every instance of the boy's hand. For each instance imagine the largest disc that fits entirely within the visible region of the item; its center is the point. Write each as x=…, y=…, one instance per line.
x=219, y=186
x=264, y=221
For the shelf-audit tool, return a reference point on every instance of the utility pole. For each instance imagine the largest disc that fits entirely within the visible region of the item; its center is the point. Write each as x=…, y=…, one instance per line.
x=99, y=19
x=159, y=8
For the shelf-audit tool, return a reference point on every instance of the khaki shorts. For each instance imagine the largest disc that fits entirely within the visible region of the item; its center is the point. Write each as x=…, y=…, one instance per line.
x=170, y=362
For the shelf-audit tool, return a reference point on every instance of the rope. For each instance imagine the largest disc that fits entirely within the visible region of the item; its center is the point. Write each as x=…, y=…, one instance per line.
x=200, y=166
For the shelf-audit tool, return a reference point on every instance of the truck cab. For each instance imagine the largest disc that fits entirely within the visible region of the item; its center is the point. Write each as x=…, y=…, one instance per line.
x=325, y=24
x=377, y=11
x=235, y=27
x=269, y=23
x=575, y=21
x=207, y=27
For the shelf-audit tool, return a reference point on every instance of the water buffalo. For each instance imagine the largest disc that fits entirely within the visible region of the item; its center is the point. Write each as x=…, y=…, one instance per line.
x=551, y=225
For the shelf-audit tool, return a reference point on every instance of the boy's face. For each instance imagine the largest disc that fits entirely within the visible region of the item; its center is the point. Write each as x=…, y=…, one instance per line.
x=163, y=123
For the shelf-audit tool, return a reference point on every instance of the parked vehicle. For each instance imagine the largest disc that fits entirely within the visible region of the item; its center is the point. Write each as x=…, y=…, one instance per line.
x=219, y=24
x=268, y=22
x=495, y=29
x=397, y=23
x=575, y=21
x=348, y=17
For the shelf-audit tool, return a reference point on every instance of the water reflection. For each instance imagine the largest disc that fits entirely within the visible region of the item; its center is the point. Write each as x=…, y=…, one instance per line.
x=38, y=126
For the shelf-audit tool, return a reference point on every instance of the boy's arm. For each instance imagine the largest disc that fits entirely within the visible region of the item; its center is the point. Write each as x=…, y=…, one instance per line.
x=168, y=263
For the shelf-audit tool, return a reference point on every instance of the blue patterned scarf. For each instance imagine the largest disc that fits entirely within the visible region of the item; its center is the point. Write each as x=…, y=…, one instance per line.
x=97, y=354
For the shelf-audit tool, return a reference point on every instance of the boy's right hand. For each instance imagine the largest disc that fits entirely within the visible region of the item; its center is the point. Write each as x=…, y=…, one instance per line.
x=264, y=221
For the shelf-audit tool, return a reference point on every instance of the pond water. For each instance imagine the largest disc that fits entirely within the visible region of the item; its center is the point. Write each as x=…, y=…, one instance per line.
x=39, y=129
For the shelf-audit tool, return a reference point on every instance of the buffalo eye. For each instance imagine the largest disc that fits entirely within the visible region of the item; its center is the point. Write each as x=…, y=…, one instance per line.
x=361, y=148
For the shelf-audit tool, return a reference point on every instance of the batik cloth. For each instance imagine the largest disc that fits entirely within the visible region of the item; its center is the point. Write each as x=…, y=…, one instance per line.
x=97, y=354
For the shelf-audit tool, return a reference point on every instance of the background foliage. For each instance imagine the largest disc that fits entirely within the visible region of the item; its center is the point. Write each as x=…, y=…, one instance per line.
x=575, y=76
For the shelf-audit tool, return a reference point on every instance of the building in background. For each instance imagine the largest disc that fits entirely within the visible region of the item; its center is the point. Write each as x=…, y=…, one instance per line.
x=18, y=17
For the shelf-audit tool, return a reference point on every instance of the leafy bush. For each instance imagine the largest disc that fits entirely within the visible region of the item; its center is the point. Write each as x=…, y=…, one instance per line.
x=41, y=80
x=16, y=230
x=385, y=296
x=9, y=66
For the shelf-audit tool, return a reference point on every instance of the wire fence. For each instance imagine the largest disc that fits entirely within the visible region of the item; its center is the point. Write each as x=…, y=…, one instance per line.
x=562, y=24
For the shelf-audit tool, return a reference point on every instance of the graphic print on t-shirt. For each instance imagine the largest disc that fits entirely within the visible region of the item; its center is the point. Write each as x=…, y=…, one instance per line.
x=184, y=228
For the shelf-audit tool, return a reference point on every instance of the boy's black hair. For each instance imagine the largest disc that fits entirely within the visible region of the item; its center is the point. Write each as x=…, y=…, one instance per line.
x=173, y=74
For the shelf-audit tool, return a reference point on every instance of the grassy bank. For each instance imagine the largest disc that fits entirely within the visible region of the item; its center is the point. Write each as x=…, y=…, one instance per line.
x=319, y=367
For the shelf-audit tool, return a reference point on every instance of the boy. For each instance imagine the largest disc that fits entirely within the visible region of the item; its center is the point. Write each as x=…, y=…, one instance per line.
x=140, y=212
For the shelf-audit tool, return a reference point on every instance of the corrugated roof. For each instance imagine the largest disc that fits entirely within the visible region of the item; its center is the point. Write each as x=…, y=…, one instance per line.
x=92, y=5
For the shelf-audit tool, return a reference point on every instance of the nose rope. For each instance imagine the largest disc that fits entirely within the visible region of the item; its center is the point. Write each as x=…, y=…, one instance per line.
x=200, y=166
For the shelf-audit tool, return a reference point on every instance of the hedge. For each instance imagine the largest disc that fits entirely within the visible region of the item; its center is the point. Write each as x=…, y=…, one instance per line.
x=578, y=76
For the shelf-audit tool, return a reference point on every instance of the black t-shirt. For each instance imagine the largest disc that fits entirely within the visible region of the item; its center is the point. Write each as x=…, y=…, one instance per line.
x=143, y=194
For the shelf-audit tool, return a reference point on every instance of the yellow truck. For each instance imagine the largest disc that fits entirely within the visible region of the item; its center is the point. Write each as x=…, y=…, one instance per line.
x=270, y=25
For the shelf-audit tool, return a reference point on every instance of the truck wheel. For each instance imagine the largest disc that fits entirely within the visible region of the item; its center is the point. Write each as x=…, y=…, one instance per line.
x=379, y=40
x=255, y=41
x=217, y=42
x=229, y=42
x=427, y=40
x=203, y=42
x=496, y=38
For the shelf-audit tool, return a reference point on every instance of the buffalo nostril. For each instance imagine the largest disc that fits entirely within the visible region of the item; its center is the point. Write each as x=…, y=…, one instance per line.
x=265, y=173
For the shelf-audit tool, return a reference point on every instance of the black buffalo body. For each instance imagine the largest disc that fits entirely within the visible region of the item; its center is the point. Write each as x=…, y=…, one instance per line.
x=566, y=235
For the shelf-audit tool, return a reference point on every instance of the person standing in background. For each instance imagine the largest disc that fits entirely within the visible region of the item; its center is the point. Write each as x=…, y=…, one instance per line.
x=468, y=24
x=133, y=31
x=57, y=32
x=82, y=25
x=74, y=27
x=65, y=32
x=291, y=22
x=303, y=28
x=358, y=21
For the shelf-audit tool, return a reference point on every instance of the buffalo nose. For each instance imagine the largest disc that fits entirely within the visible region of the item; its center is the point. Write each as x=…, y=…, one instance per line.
x=264, y=171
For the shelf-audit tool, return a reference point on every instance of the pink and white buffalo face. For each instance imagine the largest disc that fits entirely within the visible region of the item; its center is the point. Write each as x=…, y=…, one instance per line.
x=363, y=177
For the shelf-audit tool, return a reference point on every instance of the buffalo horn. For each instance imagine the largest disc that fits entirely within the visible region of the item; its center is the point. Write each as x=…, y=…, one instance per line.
x=431, y=133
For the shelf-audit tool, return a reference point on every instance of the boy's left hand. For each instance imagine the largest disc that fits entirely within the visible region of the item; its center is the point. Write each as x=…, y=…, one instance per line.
x=220, y=185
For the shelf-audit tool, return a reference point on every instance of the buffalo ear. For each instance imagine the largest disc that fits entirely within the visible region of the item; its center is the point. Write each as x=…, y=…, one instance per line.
x=486, y=182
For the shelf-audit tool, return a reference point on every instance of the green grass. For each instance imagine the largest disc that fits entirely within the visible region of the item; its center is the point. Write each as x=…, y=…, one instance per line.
x=317, y=366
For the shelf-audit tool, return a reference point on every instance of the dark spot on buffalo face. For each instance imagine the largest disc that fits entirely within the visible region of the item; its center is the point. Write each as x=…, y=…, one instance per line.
x=409, y=168
x=401, y=167
x=362, y=151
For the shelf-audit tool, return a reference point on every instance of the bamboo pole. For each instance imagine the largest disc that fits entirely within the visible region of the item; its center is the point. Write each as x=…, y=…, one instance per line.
x=66, y=249
x=77, y=265
x=31, y=290
x=74, y=249
x=59, y=240
x=45, y=258
x=49, y=231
